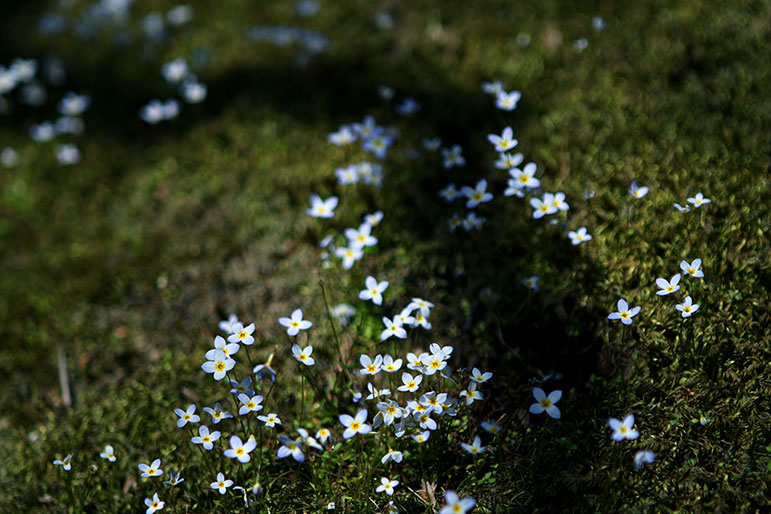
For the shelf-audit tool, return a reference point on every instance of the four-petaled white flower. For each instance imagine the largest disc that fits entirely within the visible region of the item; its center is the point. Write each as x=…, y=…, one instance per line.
x=475, y=447
x=361, y=237
x=370, y=367
x=698, y=200
x=188, y=416
x=205, y=438
x=507, y=161
x=355, y=425
x=218, y=363
x=456, y=505
x=153, y=470
x=579, y=236
x=349, y=255
x=693, y=268
x=524, y=178
x=625, y=314
x=410, y=383
x=108, y=453
x=543, y=206
x=546, y=403
x=322, y=208
x=271, y=420
x=623, y=429
x=477, y=194
x=249, y=404
x=668, y=287
x=153, y=504
x=295, y=323
x=221, y=484
x=479, y=377
x=393, y=328
x=216, y=413
x=303, y=354
x=507, y=101
x=391, y=365
x=638, y=191
x=505, y=141
x=228, y=348
x=242, y=334
x=531, y=282
x=240, y=450
x=387, y=486
x=687, y=307
x=393, y=455
x=374, y=290
x=449, y=193
x=471, y=393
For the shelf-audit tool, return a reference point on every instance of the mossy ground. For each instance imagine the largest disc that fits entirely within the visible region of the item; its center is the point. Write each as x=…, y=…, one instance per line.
x=211, y=206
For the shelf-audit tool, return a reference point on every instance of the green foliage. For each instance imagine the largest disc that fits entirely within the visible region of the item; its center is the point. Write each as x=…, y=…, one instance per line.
x=125, y=262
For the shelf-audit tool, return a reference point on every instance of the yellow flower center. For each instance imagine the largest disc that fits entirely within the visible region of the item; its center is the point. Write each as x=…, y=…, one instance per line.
x=372, y=368
x=624, y=315
x=411, y=385
x=250, y=405
x=206, y=439
x=546, y=403
x=220, y=366
x=691, y=271
x=242, y=335
x=187, y=416
x=544, y=208
x=686, y=309
x=355, y=425
x=240, y=451
x=391, y=409
x=295, y=324
x=302, y=356
x=623, y=429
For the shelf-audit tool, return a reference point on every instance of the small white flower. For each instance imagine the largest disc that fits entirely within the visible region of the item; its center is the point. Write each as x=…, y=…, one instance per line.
x=625, y=314
x=699, y=200
x=475, y=447
x=221, y=484
x=295, y=323
x=546, y=403
x=374, y=290
x=687, y=307
x=692, y=269
x=668, y=287
x=623, y=429
x=108, y=453
x=579, y=236
x=322, y=208
x=152, y=470
x=637, y=191
x=387, y=486
x=303, y=354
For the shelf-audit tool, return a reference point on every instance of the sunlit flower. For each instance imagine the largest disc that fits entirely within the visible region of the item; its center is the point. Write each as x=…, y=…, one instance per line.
x=393, y=455
x=370, y=367
x=240, y=450
x=152, y=470
x=218, y=363
x=323, y=434
x=393, y=328
x=349, y=255
x=471, y=393
x=693, y=268
x=229, y=348
x=387, y=486
x=303, y=354
x=507, y=101
x=271, y=420
x=668, y=287
x=355, y=425
x=546, y=403
x=295, y=323
x=205, y=438
x=373, y=290
x=687, y=307
x=479, y=377
x=579, y=236
x=505, y=141
x=249, y=404
x=422, y=437
x=153, y=504
x=410, y=383
x=221, y=484
x=625, y=314
x=699, y=200
x=390, y=365
x=242, y=334
x=623, y=429
x=188, y=416
x=226, y=325
x=322, y=208
x=507, y=161
x=216, y=413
